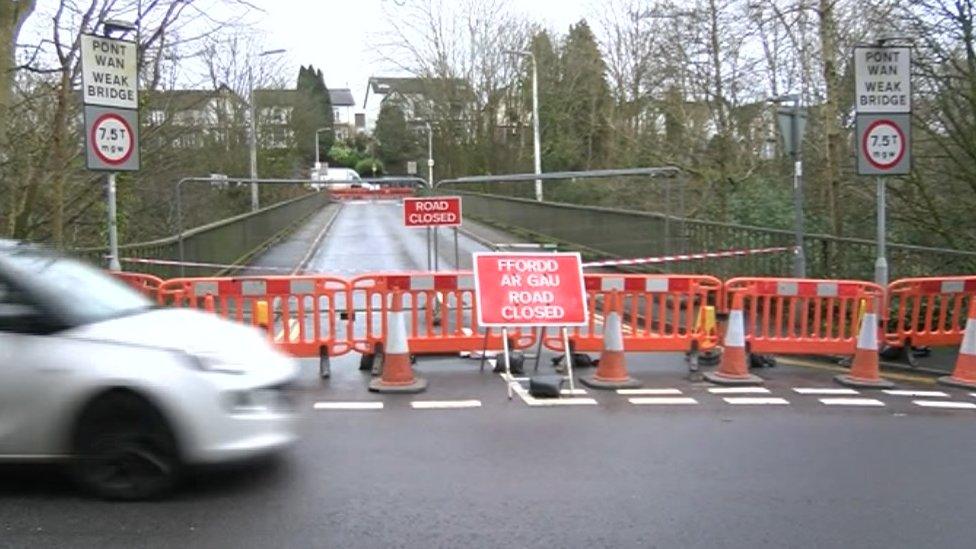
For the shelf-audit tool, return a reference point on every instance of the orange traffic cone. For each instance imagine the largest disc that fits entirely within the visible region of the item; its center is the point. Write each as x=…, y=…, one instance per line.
x=208, y=303
x=865, y=371
x=397, y=376
x=611, y=370
x=733, y=369
x=965, y=373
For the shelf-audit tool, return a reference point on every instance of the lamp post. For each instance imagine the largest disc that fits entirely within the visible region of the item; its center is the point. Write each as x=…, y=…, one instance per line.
x=536, y=144
x=253, y=137
x=792, y=121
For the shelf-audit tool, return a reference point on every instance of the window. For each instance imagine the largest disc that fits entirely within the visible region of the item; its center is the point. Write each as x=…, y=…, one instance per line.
x=157, y=117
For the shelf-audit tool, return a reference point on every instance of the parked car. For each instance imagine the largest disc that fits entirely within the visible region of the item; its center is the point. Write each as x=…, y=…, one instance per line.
x=338, y=178
x=128, y=393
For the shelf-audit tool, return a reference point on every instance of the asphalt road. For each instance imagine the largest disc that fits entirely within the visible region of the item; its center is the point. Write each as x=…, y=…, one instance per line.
x=606, y=472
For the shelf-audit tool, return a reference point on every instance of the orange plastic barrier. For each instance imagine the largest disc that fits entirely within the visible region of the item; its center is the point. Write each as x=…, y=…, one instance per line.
x=803, y=316
x=305, y=314
x=146, y=284
x=440, y=311
x=659, y=312
x=371, y=194
x=929, y=311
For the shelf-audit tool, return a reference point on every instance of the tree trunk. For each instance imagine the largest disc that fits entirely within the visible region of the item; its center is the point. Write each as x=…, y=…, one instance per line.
x=832, y=135
x=13, y=13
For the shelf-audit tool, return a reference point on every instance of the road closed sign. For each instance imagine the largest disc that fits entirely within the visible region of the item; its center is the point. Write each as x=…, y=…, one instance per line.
x=432, y=211
x=529, y=289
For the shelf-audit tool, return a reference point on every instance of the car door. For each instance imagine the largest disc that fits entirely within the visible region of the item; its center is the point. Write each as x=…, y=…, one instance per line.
x=29, y=374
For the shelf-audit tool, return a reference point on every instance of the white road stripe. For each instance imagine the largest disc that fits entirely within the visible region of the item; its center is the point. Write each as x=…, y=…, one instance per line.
x=851, y=402
x=523, y=393
x=573, y=392
x=755, y=400
x=825, y=391
x=348, y=405
x=663, y=400
x=945, y=404
x=936, y=394
x=648, y=391
x=738, y=390
x=444, y=404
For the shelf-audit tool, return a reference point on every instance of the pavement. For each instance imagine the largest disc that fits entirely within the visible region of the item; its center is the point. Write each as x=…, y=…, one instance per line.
x=795, y=463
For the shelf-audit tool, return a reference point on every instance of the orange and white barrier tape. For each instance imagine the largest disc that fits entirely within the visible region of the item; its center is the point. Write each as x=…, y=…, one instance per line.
x=688, y=257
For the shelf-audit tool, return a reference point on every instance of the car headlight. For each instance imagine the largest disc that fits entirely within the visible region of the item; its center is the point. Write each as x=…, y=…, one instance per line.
x=208, y=362
x=261, y=400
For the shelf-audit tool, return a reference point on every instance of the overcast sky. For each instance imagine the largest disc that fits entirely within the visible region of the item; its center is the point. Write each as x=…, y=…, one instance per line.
x=333, y=34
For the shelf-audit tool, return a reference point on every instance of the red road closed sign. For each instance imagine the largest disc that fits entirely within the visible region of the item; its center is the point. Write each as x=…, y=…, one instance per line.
x=529, y=289
x=433, y=211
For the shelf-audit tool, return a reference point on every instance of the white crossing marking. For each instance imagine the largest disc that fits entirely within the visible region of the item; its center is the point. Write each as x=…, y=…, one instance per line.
x=648, y=391
x=348, y=405
x=444, y=404
x=663, y=400
x=945, y=404
x=755, y=400
x=523, y=393
x=738, y=390
x=825, y=391
x=851, y=402
x=936, y=394
x=573, y=392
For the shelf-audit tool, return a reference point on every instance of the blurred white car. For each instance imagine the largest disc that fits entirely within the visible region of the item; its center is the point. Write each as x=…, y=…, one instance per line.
x=128, y=393
x=339, y=178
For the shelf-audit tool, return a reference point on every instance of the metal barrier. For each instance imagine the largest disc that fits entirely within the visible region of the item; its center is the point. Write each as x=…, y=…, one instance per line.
x=303, y=315
x=440, y=313
x=803, y=316
x=928, y=311
x=660, y=312
x=146, y=284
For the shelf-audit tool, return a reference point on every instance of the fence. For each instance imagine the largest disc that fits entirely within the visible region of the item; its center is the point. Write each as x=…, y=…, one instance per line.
x=225, y=242
x=608, y=232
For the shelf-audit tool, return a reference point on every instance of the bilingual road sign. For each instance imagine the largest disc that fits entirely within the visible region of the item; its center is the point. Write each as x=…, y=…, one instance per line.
x=432, y=211
x=108, y=72
x=884, y=144
x=112, y=139
x=882, y=79
x=529, y=289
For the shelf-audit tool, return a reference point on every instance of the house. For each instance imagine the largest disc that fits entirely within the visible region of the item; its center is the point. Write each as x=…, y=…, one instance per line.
x=192, y=118
x=420, y=98
x=346, y=121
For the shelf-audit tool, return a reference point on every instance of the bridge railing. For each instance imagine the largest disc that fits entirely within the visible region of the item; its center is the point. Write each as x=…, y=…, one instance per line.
x=228, y=241
x=611, y=233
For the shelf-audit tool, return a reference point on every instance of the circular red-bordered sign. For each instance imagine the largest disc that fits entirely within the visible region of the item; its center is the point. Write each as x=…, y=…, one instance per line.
x=884, y=128
x=115, y=142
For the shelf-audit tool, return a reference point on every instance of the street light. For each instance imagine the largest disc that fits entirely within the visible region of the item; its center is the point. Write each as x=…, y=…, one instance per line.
x=430, y=155
x=535, y=118
x=792, y=121
x=255, y=201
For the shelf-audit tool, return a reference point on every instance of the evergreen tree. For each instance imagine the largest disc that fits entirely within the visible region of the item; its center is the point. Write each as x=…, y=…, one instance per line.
x=312, y=110
x=394, y=140
x=586, y=97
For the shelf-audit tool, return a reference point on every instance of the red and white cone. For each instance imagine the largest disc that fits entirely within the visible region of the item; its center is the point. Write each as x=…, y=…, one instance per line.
x=733, y=369
x=611, y=371
x=397, y=376
x=964, y=375
x=865, y=370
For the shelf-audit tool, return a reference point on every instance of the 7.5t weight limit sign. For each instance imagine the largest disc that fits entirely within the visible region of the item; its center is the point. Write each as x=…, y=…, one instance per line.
x=883, y=143
x=112, y=136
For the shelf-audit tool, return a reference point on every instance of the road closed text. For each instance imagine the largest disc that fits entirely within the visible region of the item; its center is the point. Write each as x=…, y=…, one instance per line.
x=432, y=212
x=530, y=290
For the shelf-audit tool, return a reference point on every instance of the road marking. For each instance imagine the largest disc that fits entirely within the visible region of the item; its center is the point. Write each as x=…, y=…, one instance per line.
x=444, y=404
x=824, y=391
x=945, y=404
x=851, y=402
x=738, y=390
x=348, y=405
x=895, y=392
x=663, y=400
x=648, y=391
x=573, y=392
x=755, y=400
x=523, y=393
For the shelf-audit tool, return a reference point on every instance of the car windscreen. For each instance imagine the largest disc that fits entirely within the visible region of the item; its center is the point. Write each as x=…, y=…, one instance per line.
x=80, y=293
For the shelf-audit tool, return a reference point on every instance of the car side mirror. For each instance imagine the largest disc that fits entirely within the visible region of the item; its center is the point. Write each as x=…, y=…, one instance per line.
x=24, y=319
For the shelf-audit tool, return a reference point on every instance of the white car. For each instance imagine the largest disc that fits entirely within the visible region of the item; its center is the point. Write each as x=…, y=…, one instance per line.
x=126, y=392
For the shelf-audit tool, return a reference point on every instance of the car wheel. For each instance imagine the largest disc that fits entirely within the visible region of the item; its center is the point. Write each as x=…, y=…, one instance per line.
x=124, y=450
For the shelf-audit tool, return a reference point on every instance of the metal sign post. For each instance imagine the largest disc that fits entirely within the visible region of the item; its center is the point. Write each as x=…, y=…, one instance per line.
x=883, y=99
x=792, y=124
